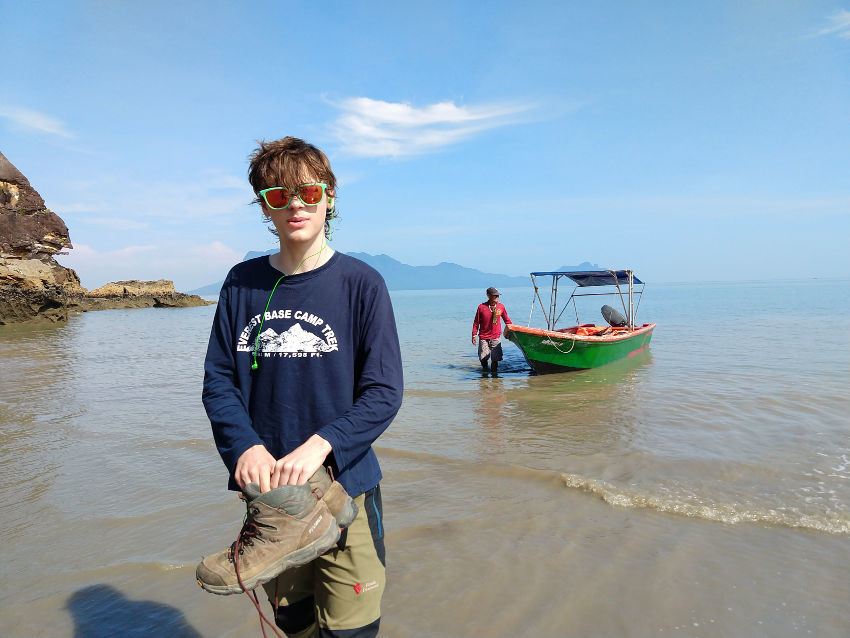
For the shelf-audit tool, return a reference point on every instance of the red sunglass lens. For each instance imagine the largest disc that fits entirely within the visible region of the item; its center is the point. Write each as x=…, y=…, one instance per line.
x=277, y=198
x=310, y=194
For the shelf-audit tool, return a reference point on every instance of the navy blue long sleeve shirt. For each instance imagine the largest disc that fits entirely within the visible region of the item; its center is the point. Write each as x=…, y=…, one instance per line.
x=328, y=363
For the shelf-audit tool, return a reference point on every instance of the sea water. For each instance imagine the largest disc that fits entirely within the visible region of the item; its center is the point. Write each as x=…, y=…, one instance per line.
x=701, y=488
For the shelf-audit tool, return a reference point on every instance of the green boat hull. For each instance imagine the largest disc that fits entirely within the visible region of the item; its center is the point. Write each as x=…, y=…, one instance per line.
x=548, y=352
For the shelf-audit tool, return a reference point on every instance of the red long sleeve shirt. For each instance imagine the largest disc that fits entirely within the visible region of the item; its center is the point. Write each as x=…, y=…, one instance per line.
x=484, y=321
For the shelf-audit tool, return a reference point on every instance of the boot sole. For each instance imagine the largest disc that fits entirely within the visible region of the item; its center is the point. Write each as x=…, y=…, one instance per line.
x=297, y=558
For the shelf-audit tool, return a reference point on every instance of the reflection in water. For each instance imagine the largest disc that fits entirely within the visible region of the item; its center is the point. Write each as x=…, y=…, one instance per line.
x=489, y=411
x=101, y=611
x=35, y=408
x=542, y=419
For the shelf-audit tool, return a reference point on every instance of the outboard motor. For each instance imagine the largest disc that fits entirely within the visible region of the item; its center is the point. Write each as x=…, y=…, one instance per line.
x=613, y=316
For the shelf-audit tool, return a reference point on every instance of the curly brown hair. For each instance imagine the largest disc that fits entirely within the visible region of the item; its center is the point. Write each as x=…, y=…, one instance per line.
x=288, y=162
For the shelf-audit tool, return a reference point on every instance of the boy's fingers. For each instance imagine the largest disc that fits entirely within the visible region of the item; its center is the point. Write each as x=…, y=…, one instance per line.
x=293, y=476
x=265, y=480
x=285, y=473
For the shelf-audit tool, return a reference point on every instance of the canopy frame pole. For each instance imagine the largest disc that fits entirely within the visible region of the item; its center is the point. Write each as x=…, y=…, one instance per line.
x=553, y=301
x=619, y=290
x=639, y=294
x=542, y=306
x=566, y=305
x=552, y=316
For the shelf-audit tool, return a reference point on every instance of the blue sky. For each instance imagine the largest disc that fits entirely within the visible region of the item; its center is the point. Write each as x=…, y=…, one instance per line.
x=681, y=139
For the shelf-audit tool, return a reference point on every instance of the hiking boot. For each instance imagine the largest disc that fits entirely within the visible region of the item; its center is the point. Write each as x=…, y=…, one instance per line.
x=284, y=528
x=335, y=497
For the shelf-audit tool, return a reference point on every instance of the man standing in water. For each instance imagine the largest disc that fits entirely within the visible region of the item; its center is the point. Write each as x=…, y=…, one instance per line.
x=303, y=371
x=487, y=324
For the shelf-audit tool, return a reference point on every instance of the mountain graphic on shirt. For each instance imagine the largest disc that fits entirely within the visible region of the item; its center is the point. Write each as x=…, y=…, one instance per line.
x=296, y=339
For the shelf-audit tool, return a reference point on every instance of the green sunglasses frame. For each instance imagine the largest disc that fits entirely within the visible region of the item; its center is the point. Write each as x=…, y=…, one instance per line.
x=292, y=193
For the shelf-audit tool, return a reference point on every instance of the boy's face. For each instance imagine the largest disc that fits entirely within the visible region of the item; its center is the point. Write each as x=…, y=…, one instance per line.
x=300, y=223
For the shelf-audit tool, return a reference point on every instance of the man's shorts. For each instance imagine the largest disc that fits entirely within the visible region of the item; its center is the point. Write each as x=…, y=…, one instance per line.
x=490, y=348
x=342, y=589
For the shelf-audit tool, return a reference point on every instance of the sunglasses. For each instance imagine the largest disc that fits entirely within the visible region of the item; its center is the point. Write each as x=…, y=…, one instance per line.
x=278, y=197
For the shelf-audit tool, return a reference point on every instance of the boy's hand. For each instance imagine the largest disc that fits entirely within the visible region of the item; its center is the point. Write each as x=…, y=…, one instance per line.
x=300, y=464
x=255, y=466
x=473, y=340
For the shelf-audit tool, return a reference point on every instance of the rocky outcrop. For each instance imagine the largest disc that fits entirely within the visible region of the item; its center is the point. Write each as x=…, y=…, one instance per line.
x=134, y=289
x=33, y=285
x=137, y=294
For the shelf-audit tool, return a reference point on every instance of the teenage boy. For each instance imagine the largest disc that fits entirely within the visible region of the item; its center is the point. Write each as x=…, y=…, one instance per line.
x=303, y=370
x=488, y=325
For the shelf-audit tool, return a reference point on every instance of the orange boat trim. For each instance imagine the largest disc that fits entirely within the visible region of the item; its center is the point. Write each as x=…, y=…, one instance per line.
x=584, y=332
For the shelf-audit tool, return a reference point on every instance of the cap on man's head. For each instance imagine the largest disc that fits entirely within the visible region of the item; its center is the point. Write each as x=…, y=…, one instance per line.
x=492, y=291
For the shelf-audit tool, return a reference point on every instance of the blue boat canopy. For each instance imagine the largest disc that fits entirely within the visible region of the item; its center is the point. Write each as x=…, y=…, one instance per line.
x=595, y=277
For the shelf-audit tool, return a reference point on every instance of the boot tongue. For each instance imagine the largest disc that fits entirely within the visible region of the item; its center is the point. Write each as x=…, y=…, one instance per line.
x=293, y=499
x=321, y=479
x=252, y=491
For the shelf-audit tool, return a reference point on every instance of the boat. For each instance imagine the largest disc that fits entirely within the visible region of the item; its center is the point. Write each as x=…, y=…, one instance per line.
x=584, y=345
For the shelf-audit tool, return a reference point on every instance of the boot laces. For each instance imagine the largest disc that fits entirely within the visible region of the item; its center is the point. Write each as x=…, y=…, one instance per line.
x=250, y=530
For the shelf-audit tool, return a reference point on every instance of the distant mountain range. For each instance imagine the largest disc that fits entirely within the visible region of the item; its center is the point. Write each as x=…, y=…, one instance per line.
x=401, y=276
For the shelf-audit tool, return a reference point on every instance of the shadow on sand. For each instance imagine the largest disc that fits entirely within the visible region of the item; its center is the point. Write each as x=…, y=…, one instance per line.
x=101, y=611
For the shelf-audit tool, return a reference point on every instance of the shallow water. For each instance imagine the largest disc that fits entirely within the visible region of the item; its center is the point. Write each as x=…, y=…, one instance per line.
x=700, y=489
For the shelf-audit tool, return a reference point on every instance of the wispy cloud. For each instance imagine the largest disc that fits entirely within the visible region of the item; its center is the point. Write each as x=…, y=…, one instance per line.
x=209, y=194
x=33, y=120
x=114, y=223
x=374, y=128
x=839, y=25
x=188, y=263
x=204, y=197
x=134, y=250
x=216, y=252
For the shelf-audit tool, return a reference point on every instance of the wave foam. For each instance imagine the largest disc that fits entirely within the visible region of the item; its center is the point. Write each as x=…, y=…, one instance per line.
x=720, y=512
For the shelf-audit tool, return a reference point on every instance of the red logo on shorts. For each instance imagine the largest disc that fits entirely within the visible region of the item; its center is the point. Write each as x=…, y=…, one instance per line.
x=358, y=588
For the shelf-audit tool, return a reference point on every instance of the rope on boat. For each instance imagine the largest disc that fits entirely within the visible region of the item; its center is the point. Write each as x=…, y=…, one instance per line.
x=561, y=351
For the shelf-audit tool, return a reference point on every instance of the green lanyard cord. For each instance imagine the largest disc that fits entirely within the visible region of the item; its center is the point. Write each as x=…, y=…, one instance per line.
x=254, y=365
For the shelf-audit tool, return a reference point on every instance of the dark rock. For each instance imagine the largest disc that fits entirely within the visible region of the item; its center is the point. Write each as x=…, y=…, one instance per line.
x=27, y=229
x=33, y=286
x=18, y=305
x=15, y=190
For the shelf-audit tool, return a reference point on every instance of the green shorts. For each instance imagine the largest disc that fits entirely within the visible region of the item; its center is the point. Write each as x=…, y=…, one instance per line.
x=341, y=589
